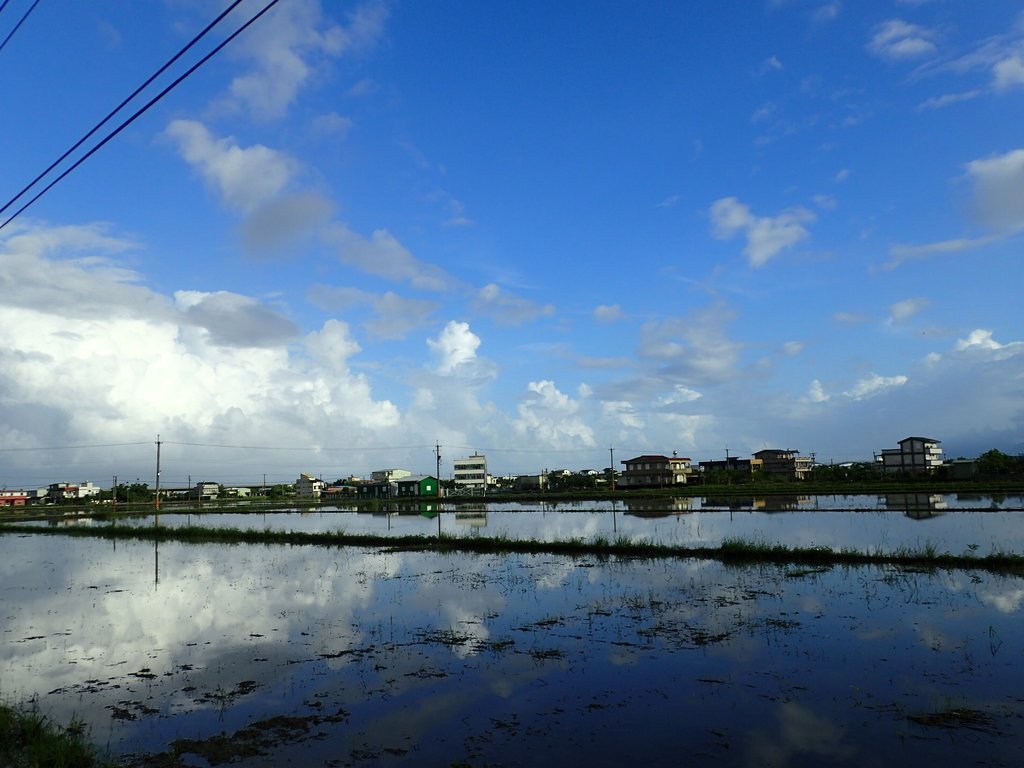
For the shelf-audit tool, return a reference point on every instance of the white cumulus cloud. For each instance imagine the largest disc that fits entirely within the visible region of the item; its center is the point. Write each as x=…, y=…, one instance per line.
x=902, y=311
x=766, y=235
x=551, y=418
x=117, y=359
x=816, y=393
x=896, y=40
x=999, y=189
x=983, y=340
x=694, y=350
x=506, y=308
x=792, y=348
x=394, y=315
x=333, y=124
x=680, y=394
x=1008, y=72
x=827, y=12
x=607, y=313
x=245, y=177
x=455, y=346
x=332, y=344
x=623, y=413
x=873, y=384
x=286, y=49
x=383, y=255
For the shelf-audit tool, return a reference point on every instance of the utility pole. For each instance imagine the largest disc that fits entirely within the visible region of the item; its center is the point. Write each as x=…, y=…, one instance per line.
x=158, y=473
x=437, y=454
x=113, y=494
x=611, y=468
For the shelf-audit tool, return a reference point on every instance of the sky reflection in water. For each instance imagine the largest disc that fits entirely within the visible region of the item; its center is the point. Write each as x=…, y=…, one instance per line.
x=434, y=658
x=952, y=523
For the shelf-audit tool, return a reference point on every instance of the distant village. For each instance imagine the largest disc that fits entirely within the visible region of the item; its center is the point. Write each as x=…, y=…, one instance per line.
x=912, y=455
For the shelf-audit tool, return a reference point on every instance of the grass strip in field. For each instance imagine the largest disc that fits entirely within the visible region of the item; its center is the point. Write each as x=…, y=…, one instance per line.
x=738, y=551
x=28, y=738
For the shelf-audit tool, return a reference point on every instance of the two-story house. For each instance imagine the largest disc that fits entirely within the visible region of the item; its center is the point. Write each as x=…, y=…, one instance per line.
x=13, y=498
x=654, y=471
x=783, y=463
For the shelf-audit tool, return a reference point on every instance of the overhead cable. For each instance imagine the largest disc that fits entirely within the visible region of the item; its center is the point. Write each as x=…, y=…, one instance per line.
x=140, y=111
x=120, y=106
x=67, y=447
x=314, y=449
x=20, y=22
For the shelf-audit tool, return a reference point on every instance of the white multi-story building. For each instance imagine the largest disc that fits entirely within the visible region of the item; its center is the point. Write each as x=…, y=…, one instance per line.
x=471, y=473
x=389, y=475
x=308, y=486
x=206, y=491
x=915, y=454
x=59, y=491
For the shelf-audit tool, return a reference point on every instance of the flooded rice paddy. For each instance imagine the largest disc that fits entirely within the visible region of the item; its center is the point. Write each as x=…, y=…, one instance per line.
x=876, y=524
x=184, y=654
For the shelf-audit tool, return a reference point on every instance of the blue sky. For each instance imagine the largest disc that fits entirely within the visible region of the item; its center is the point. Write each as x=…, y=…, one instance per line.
x=535, y=230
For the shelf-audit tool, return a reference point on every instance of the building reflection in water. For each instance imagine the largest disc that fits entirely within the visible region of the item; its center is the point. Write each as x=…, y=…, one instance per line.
x=732, y=503
x=658, y=507
x=474, y=516
x=783, y=503
x=918, y=506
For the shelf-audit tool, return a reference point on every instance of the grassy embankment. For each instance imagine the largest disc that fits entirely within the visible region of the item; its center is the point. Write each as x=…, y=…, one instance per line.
x=29, y=739
x=731, y=551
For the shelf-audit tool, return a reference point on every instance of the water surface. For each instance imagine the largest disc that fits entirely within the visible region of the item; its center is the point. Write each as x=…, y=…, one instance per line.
x=879, y=524
x=413, y=658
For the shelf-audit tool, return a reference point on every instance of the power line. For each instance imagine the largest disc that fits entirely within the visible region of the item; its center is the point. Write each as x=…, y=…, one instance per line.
x=312, y=448
x=121, y=106
x=140, y=111
x=20, y=22
x=350, y=449
x=323, y=448
x=70, y=447
x=523, y=450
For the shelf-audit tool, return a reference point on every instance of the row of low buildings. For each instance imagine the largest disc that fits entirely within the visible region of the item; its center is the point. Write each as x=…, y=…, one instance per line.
x=385, y=483
x=51, y=494
x=470, y=475
x=915, y=455
x=657, y=471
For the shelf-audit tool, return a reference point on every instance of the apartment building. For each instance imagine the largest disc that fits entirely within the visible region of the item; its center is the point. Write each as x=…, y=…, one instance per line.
x=470, y=473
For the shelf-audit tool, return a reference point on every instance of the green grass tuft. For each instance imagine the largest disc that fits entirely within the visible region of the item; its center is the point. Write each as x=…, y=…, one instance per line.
x=30, y=739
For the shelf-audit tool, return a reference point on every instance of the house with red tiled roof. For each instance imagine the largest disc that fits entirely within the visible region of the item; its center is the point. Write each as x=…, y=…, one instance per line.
x=13, y=498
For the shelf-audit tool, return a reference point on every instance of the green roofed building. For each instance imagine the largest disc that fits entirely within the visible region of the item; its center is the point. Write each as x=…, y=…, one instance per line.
x=417, y=485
